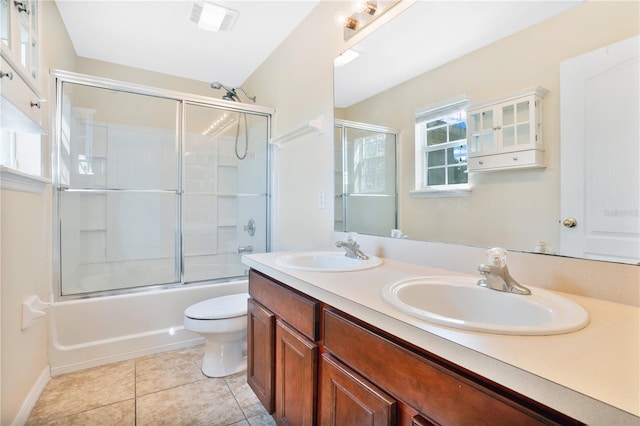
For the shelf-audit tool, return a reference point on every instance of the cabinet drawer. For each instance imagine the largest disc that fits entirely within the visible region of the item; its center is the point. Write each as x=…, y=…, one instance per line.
x=439, y=391
x=299, y=311
x=532, y=158
x=21, y=108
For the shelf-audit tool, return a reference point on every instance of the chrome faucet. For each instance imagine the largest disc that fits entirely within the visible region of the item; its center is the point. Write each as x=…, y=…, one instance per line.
x=496, y=274
x=352, y=248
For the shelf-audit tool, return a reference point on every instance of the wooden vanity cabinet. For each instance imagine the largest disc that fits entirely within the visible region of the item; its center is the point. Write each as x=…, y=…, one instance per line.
x=429, y=390
x=312, y=364
x=282, y=351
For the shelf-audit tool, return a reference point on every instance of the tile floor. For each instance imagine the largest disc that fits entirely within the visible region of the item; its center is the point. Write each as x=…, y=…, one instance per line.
x=162, y=389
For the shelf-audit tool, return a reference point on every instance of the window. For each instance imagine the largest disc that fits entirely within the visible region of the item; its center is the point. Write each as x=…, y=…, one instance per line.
x=21, y=151
x=441, y=148
x=369, y=164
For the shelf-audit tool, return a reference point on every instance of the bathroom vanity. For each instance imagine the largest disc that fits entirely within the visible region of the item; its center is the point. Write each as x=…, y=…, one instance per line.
x=324, y=348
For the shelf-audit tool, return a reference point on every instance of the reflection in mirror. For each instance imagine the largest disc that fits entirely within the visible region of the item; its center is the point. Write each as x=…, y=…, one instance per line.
x=365, y=178
x=517, y=209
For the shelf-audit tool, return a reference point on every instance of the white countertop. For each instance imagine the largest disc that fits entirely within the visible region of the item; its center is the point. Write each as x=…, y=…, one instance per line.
x=592, y=375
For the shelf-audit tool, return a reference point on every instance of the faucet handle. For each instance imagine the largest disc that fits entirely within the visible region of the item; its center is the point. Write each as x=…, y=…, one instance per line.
x=497, y=256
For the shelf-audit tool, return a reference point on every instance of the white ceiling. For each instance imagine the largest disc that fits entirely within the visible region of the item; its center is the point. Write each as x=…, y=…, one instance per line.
x=157, y=35
x=429, y=34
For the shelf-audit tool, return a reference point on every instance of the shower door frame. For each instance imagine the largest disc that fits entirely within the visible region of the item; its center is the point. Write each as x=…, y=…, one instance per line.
x=58, y=77
x=343, y=124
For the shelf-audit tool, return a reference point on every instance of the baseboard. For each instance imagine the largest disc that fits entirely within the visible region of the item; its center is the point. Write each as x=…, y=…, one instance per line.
x=32, y=398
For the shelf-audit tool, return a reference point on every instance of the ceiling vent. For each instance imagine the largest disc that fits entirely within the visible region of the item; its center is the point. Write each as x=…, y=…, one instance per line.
x=212, y=17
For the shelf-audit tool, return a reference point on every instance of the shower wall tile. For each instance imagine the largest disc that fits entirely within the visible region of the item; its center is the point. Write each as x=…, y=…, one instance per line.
x=200, y=224
x=227, y=179
x=227, y=211
x=227, y=239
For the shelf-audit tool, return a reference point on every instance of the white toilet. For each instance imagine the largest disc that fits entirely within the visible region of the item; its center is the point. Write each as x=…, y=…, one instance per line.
x=223, y=322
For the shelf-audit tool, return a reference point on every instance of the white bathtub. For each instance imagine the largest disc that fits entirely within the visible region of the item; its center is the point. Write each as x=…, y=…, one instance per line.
x=90, y=332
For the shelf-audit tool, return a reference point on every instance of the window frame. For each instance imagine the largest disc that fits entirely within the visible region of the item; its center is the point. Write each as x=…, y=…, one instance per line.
x=427, y=115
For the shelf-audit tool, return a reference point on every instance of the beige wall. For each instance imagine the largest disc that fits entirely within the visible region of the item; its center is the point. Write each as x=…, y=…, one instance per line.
x=25, y=228
x=496, y=213
x=25, y=254
x=298, y=81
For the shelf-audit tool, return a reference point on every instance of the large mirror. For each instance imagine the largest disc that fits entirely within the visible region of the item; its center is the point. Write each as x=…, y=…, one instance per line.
x=435, y=53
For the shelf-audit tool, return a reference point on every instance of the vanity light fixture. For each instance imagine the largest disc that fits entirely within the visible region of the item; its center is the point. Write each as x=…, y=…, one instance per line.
x=350, y=23
x=364, y=12
x=212, y=17
x=369, y=7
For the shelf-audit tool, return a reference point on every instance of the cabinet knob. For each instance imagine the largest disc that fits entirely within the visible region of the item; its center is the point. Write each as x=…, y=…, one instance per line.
x=570, y=222
x=481, y=162
x=515, y=158
x=9, y=75
x=35, y=104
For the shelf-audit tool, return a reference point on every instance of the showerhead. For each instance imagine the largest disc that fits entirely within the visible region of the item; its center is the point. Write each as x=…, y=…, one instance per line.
x=217, y=85
x=231, y=94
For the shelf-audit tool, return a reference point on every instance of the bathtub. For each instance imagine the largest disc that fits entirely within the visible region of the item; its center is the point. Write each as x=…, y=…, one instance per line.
x=95, y=331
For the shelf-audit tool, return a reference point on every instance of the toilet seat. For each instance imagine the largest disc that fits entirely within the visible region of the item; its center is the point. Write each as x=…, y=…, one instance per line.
x=231, y=306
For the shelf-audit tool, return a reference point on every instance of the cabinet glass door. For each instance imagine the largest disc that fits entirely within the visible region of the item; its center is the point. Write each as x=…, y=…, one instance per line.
x=516, y=126
x=5, y=23
x=481, y=127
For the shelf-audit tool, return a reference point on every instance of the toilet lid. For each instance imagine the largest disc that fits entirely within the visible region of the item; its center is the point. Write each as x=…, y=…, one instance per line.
x=234, y=305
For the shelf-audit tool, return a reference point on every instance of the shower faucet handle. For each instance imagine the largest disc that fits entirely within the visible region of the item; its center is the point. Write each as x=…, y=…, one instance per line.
x=251, y=227
x=245, y=249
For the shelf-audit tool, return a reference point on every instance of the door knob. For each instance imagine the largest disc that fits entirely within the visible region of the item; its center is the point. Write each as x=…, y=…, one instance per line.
x=570, y=222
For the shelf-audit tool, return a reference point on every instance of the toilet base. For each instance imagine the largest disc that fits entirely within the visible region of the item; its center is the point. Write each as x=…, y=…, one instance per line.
x=224, y=358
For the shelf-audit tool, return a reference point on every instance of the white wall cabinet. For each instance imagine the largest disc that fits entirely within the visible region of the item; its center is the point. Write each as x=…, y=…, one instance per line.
x=20, y=67
x=507, y=133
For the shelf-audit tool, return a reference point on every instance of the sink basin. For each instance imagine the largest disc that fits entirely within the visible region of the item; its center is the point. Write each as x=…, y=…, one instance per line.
x=326, y=261
x=460, y=303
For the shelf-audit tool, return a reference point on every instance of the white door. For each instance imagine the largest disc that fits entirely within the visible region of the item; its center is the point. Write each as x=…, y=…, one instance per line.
x=600, y=154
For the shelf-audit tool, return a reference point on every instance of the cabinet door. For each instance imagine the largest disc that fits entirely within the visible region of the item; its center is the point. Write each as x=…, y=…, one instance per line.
x=261, y=353
x=19, y=25
x=519, y=127
x=349, y=399
x=483, y=125
x=296, y=380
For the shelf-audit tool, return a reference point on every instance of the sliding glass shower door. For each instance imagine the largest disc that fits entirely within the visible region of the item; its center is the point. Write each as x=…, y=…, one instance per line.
x=225, y=191
x=365, y=178
x=151, y=191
